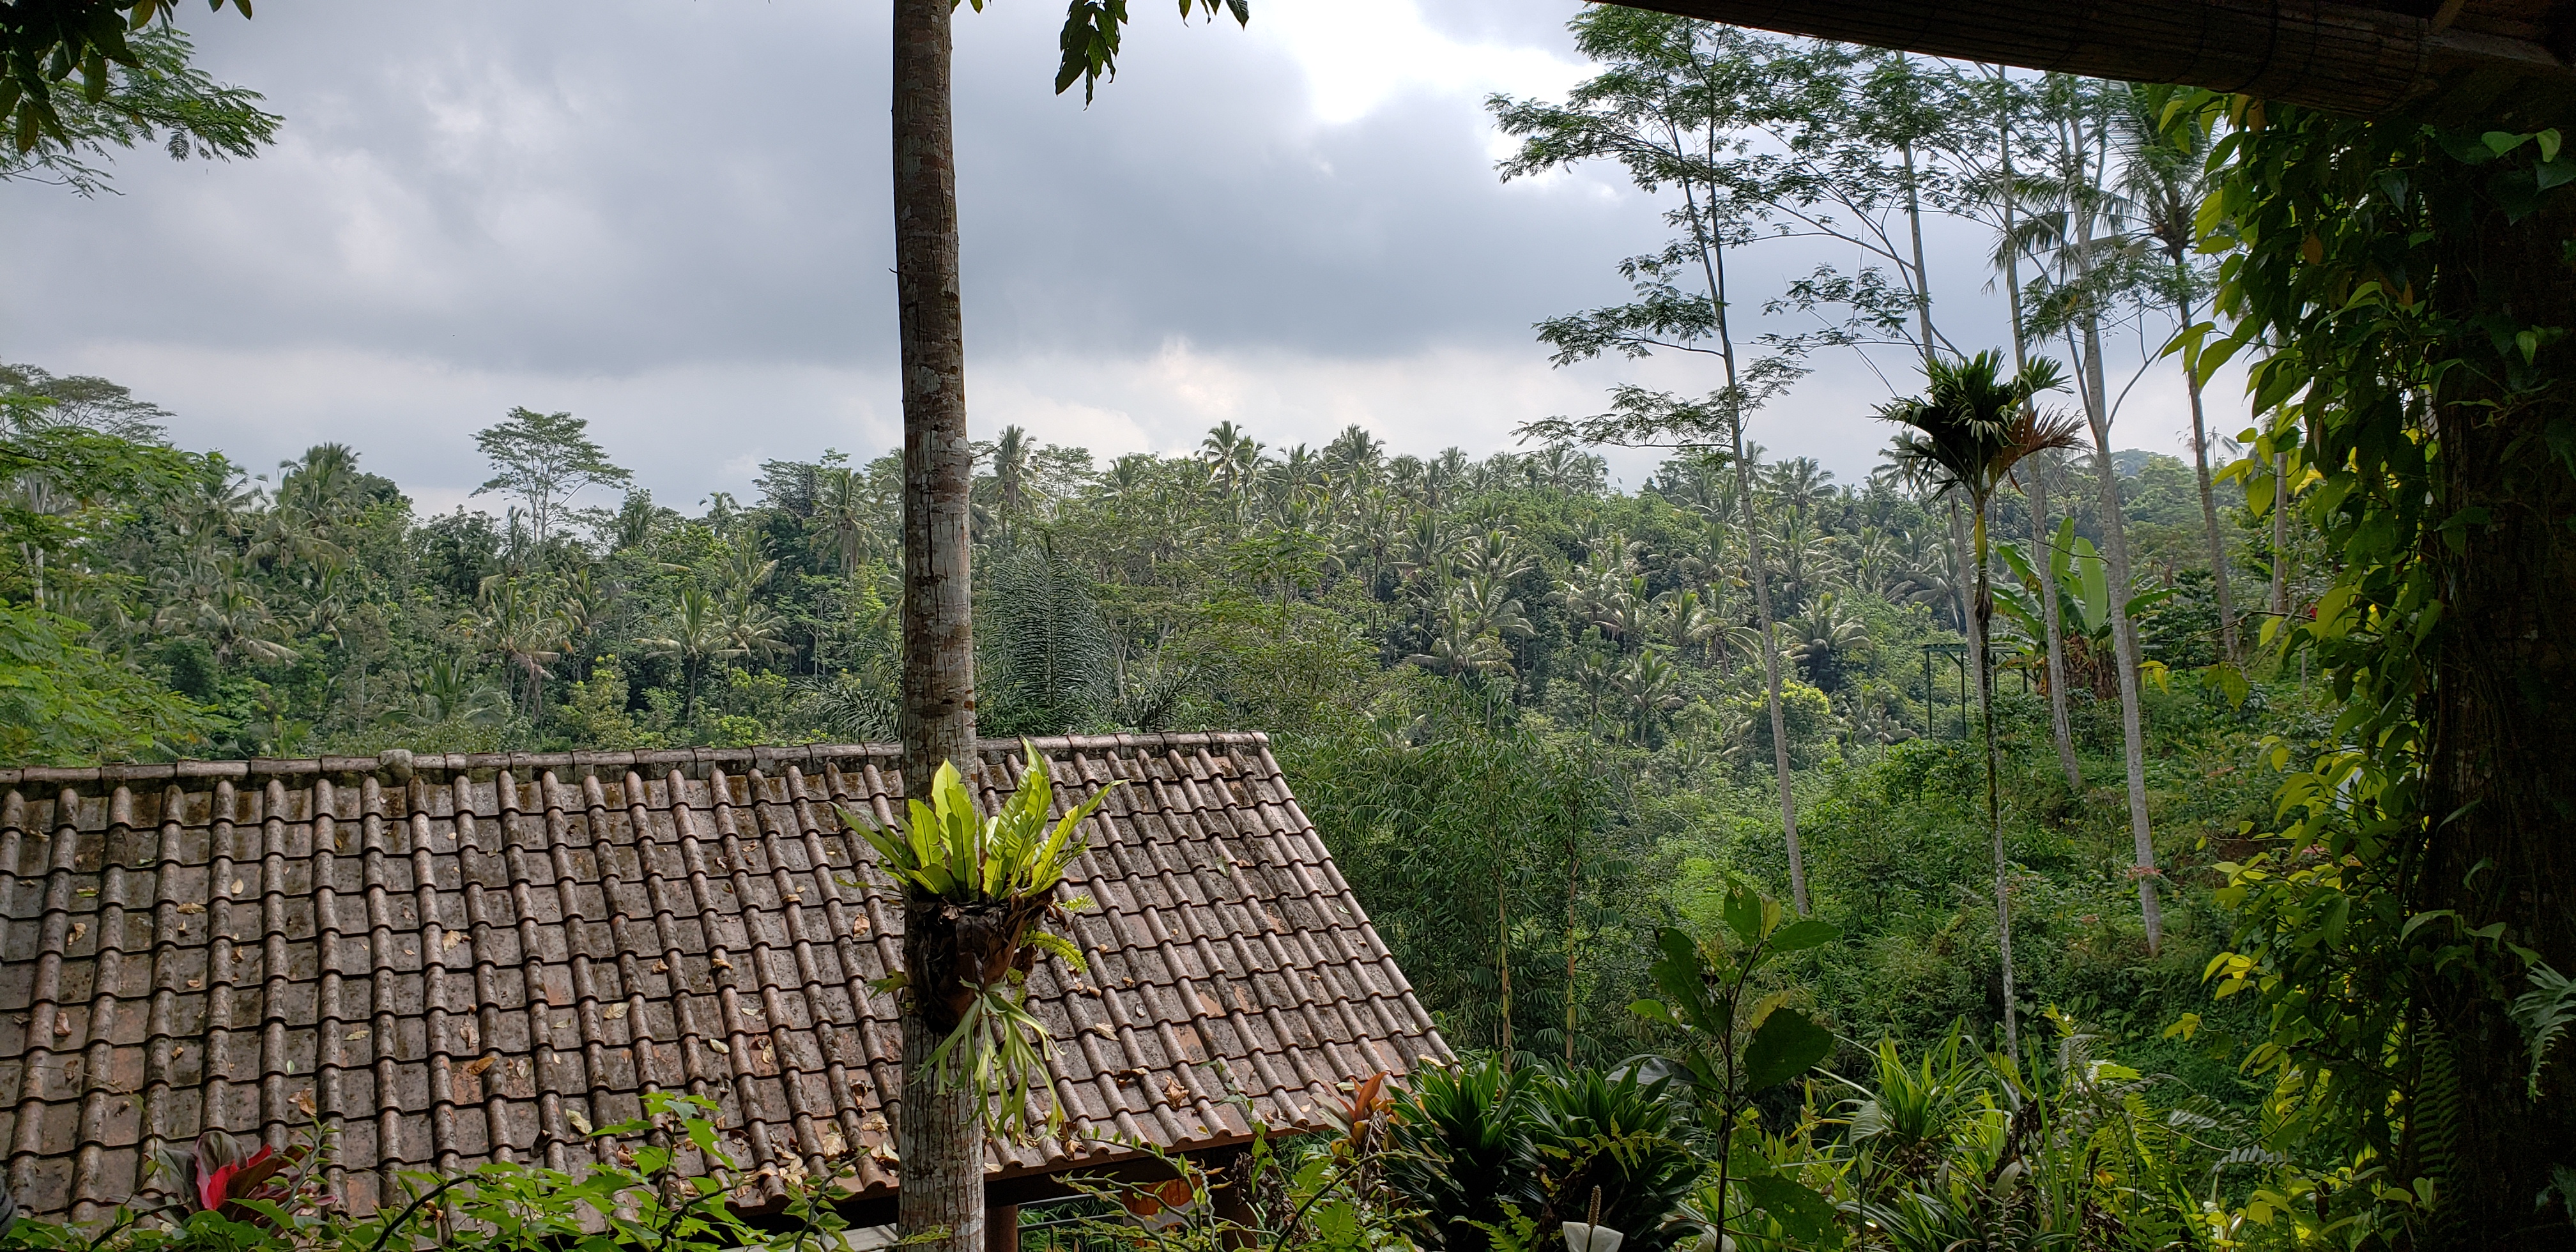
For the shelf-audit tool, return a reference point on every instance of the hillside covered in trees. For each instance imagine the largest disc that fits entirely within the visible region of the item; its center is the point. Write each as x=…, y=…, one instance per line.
x=1528, y=708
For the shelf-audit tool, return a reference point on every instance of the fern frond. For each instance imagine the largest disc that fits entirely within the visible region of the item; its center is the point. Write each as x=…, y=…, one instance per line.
x=2543, y=1013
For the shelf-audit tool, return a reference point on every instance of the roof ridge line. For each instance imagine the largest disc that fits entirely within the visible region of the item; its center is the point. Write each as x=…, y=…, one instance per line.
x=402, y=763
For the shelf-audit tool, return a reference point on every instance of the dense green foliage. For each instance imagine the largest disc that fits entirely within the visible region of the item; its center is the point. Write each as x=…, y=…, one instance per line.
x=1524, y=707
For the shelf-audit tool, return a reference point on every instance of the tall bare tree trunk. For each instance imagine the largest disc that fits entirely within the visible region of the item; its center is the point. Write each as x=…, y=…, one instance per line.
x=2281, y=540
x=1969, y=575
x=1712, y=259
x=2042, y=542
x=2044, y=547
x=942, y=1149
x=2227, y=640
x=2124, y=635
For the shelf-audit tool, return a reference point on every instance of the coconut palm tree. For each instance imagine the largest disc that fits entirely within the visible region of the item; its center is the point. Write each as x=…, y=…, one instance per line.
x=1823, y=638
x=2164, y=176
x=697, y=630
x=515, y=618
x=1963, y=438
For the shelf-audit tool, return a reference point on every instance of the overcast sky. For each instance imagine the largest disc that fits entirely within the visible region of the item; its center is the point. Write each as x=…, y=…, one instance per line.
x=670, y=218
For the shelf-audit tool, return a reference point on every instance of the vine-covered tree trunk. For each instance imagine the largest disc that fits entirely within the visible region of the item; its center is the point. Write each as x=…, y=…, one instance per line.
x=941, y=1147
x=2500, y=773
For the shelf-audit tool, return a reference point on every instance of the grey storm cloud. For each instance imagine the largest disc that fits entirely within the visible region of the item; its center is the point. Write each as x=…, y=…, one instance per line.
x=670, y=217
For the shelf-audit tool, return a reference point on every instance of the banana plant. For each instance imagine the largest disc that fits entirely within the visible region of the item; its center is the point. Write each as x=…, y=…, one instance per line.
x=989, y=884
x=2083, y=594
x=1735, y=1046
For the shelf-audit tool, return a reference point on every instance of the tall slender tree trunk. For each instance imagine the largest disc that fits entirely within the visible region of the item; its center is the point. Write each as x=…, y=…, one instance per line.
x=2227, y=638
x=1978, y=619
x=2280, y=540
x=2124, y=636
x=1970, y=574
x=2042, y=540
x=1712, y=259
x=2085, y=182
x=2044, y=546
x=941, y=1208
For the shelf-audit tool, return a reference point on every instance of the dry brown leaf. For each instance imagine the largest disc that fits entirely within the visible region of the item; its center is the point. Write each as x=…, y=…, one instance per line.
x=661, y=967
x=304, y=1102
x=1102, y=1029
x=479, y=1064
x=185, y=909
x=195, y=983
x=78, y=929
x=360, y=1033
x=719, y=1046
x=450, y=941
x=1174, y=1092
x=858, y=926
x=62, y=1024
x=614, y=1011
x=237, y=886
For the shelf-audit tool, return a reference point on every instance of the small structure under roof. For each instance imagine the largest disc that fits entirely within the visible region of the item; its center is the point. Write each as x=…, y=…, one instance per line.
x=454, y=957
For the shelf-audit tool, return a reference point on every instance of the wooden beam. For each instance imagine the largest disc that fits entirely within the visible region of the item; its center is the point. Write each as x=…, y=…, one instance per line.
x=2342, y=57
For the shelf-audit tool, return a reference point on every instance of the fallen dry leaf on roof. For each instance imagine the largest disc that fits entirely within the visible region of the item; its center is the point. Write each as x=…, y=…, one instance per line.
x=614, y=1011
x=479, y=1064
x=191, y=908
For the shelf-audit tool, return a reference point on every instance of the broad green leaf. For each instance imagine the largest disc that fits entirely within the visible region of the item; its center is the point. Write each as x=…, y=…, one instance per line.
x=1803, y=1215
x=1742, y=912
x=1787, y=1045
x=1805, y=933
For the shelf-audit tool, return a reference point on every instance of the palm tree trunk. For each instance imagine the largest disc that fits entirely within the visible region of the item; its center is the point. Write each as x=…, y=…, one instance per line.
x=2043, y=546
x=1978, y=619
x=2227, y=640
x=942, y=1150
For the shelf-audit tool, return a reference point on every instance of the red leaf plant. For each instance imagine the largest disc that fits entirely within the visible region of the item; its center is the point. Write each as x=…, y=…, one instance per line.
x=217, y=1173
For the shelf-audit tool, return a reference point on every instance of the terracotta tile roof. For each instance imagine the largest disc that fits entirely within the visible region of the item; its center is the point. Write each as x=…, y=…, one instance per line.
x=216, y=943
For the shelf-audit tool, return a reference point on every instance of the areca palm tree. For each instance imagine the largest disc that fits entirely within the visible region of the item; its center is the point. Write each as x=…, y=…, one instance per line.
x=1963, y=437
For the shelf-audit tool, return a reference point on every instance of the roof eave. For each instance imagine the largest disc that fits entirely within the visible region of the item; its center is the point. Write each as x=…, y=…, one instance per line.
x=2344, y=58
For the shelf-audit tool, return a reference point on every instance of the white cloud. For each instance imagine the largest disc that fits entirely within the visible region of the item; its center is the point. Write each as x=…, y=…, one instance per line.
x=1355, y=55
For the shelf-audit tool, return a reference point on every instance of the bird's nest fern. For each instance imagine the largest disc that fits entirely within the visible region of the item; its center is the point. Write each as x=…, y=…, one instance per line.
x=978, y=893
